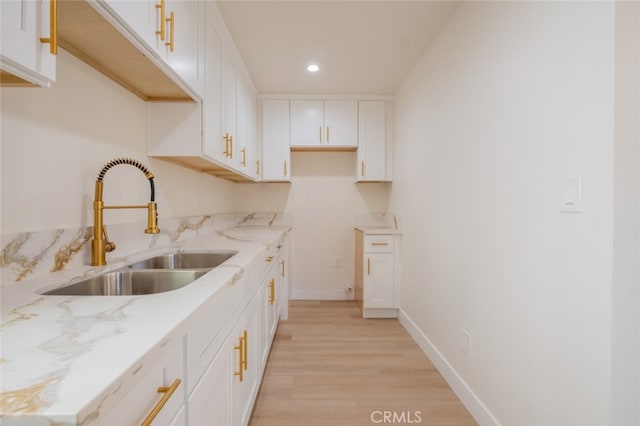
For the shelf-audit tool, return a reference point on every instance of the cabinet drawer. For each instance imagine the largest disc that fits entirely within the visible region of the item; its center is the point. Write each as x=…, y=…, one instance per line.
x=144, y=395
x=378, y=243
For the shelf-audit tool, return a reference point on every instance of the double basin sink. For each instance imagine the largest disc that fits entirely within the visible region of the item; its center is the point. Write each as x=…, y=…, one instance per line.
x=157, y=274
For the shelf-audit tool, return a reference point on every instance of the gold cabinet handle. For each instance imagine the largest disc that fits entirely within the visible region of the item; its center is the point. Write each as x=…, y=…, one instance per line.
x=244, y=350
x=258, y=167
x=167, y=391
x=171, y=20
x=269, y=259
x=244, y=157
x=231, y=146
x=362, y=169
x=320, y=134
x=240, y=349
x=282, y=267
x=327, y=134
x=285, y=168
x=227, y=149
x=368, y=266
x=53, y=28
x=272, y=291
x=379, y=244
x=160, y=31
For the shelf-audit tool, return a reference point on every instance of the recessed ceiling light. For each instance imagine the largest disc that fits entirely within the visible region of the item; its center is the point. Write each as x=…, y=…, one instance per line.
x=313, y=68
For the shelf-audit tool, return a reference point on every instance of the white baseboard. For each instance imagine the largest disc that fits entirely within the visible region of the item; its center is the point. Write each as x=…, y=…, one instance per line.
x=320, y=295
x=476, y=407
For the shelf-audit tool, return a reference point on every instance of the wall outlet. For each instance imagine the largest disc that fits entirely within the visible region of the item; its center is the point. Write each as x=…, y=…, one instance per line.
x=337, y=262
x=466, y=338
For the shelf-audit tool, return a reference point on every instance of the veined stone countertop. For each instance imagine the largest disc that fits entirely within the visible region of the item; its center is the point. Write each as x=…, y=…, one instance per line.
x=377, y=230
x=66, y=359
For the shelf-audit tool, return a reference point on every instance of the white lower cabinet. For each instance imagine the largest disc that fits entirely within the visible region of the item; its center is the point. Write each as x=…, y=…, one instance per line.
x=376, y=273
x=234, y=332
x=163, y=381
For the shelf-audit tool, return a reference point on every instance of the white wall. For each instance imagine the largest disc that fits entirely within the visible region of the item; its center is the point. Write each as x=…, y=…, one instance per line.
x=510, y=98
x=55, y=141
x=324, y=203
x=626, y=237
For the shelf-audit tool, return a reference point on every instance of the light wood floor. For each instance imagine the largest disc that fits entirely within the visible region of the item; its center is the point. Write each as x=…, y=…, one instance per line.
x=329, y=367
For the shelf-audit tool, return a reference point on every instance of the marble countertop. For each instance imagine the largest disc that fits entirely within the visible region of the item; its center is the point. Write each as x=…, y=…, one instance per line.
x=63, y=356
x=377, y=230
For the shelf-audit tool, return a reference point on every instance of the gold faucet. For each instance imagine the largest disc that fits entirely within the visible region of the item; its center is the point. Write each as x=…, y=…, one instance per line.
x=100, y=243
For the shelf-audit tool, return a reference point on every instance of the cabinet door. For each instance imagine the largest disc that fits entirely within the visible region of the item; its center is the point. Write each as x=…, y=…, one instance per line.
x=213, y=145
x=142, y=17
x=183, y=41
x=275, y=140
x=22, y=53
x=211, y=398
x=229, y=108
x=341, y=123
x=245, y=391
x=242, y=140
x=307, y=123
x=378, y=280
x=372, y=147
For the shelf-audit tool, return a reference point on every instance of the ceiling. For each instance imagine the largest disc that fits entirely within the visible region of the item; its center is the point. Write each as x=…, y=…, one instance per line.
x=362, y=47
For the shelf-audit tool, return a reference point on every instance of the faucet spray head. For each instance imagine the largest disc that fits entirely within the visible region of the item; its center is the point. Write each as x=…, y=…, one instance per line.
x=152, y=219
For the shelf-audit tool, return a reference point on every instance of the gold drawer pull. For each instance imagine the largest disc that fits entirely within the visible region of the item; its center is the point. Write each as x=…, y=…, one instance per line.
x=272, y=291
x=244, y=351
x=270, y=259
x=171, y=20
x=160, y=32
x=244, y=157
x=368, y=266
x=53, y=29
x=167, y=391
x=240, y=348
x=379, y=244
x=282, y=267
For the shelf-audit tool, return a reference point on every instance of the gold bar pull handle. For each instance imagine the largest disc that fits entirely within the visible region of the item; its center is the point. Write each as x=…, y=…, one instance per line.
x=320, y=134
x=282, y=267
x=53, y=28
x=231, y=145
x=368, y=266
x=285, y=168
x=379, y=244
x=362, y=169
x=272, y=291
x=162, y=20
x=244, y=157
x=226, y=145
x=258, y=167
x=244, y=350
x=327, y=134
x=167, y=391
x=172, y=21
x=240, y=349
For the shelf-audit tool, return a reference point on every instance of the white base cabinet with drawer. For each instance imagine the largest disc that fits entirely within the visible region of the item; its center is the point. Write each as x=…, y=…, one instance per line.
x=158, y=395
x=377, y=273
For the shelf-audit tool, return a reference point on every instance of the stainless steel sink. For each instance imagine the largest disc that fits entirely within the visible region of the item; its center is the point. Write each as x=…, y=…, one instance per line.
x=186, y=260
x=129, y=283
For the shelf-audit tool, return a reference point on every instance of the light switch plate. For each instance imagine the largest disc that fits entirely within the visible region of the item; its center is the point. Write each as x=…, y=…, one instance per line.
x=571, y=194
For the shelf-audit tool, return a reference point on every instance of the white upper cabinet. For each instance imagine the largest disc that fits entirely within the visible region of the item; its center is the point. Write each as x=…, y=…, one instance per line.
x=372, y=159
x=324, y=124
x=171, y=29
x=213, y=146
x=229, y=91
x=276, y=155
x=23, y=52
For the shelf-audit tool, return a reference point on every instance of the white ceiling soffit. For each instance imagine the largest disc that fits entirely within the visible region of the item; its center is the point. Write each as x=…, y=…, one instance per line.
x=362, y=47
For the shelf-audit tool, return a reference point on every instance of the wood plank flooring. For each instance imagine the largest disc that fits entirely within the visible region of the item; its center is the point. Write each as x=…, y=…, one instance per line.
x=328, y=366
